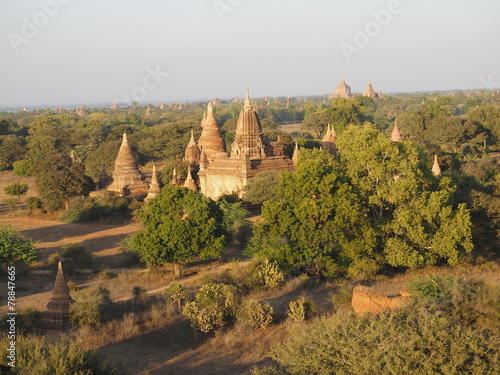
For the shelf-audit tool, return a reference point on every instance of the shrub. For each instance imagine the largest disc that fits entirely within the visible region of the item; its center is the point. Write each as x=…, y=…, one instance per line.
x=46, y=355
x=269, y=275
x=412, y=340
x=139, y=292
x=78, y=255
x=300, y=309
x=177, y=293
x=33, y=203
x=107, y=207
x=23, y=167
x=342, y=297
x=91, y=308
x=256, y=314
x=214, y=307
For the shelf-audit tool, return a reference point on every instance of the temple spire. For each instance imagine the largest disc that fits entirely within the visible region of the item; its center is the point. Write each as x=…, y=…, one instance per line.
x=175, y=180
x=248, y=102
x=190, y=183
x=296, y=153
x=436, y=169
x=396, y=135
x=211, y=138
x=154, y=188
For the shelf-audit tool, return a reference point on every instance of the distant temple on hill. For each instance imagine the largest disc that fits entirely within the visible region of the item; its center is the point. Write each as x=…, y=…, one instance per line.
x=343, y=90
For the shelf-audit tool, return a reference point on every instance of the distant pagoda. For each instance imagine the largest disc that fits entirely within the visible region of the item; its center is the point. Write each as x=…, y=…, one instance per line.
x=329, y=140
x=56, y=318
x=342, y=90
x=370, y=92
x=396, y=134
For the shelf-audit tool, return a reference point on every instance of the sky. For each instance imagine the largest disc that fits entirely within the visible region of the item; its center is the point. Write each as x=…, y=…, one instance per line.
x=80, y=52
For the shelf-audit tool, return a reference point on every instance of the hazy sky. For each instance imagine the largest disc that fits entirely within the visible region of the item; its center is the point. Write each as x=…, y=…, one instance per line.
x=62, y=52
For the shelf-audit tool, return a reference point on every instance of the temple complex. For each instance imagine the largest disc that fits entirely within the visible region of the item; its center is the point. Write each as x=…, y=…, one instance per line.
x=56, y=318
x=220, y=172
x=369, y=92
x=342, y=90
x=128, y=180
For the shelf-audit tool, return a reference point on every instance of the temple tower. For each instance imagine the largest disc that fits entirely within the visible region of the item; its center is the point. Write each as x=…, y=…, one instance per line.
x=192, y=154
x=248, y=141
x=396, y=135
x=190, y=183
x=211, y=138
x=56, y=318
x=127, y=179
x=296, y=153
x=370, y=92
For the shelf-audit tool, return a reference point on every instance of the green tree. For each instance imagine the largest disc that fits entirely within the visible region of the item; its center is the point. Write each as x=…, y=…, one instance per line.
x=262, y=187
x=17, y=188
x=412, y=211
x=12, y=149
x=14, y=248
x=179, y=225
x=23, y=167
x=316, y=223
x=58, y=180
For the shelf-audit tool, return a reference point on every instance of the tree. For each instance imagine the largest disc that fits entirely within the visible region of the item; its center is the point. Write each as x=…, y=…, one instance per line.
x=14, y=248
x=412, y=211
x=12, y=149
x=262, y=187
x=22, y=167
x=17, y=189
x=316, y=222
x=179, y=225
x=58, y=180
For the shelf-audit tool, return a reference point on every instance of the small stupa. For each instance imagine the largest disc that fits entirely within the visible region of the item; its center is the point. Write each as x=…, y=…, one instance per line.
x=114, y=106
x=127, y=178
x=436, y=169
x=175, y=180
x=192, y=153
x=154, y=187
x=296, y=152
x=396, y=134
x=190, y=183
x=56, y=318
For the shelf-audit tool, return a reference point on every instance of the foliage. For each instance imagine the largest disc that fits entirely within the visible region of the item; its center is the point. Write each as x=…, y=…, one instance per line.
x=17, y=189
x=316, y=223
x=262, y=187
x=48, y=355
x=33, y=203
x=179, y=225
x=177, y=293
x=255, y=314
x=91, y=307
x=23, y=167
x=233, y=215
x=58, y=180
x=12, y=149
x=14, y=249
x=393, y=343
x=269, y=275
x=77, y=255
x=104, y=208
x=301, y=309
x=214, y=307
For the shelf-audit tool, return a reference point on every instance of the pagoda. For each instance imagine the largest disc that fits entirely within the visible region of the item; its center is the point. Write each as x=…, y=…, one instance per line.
x=342, y=90
x=56, y=318
x=370, y=92
x=128, y=180
x=328, y=141
x=396, y=135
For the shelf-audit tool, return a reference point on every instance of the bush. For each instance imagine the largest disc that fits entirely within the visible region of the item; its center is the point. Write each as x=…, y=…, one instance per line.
x=412, y=340
x=78, y=256
x=269, y=275
x=107, y=207
x=72, y=286
x=342, y=297
x=91, y=308
x=256, y=314
x=139, y=292
x=300, y=309
x=214, y=307
x=46, y=355
x=23, y=168
x=33, y=203
x=177, y=293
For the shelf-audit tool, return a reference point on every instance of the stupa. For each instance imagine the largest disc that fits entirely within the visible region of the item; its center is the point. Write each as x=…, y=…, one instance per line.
x=127, y=178
x=154, y=187
x=328, y=141
x=211, y=138
x=436, y=169
x=370, y=92
x=396, y=135
x=56, y=318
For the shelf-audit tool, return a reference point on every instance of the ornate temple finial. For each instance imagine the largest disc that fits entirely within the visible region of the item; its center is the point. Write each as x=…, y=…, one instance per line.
x=396, y=135
x=248, y=103
x=333, y=133
x=125, y=140
x=436, y=169
x=192, y=142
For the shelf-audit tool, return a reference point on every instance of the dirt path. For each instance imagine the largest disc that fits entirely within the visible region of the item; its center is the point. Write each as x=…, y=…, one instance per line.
x=103, y=240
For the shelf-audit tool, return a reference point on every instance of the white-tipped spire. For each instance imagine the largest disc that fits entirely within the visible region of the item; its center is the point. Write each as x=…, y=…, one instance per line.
x=436, y=169
x=248, y=102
